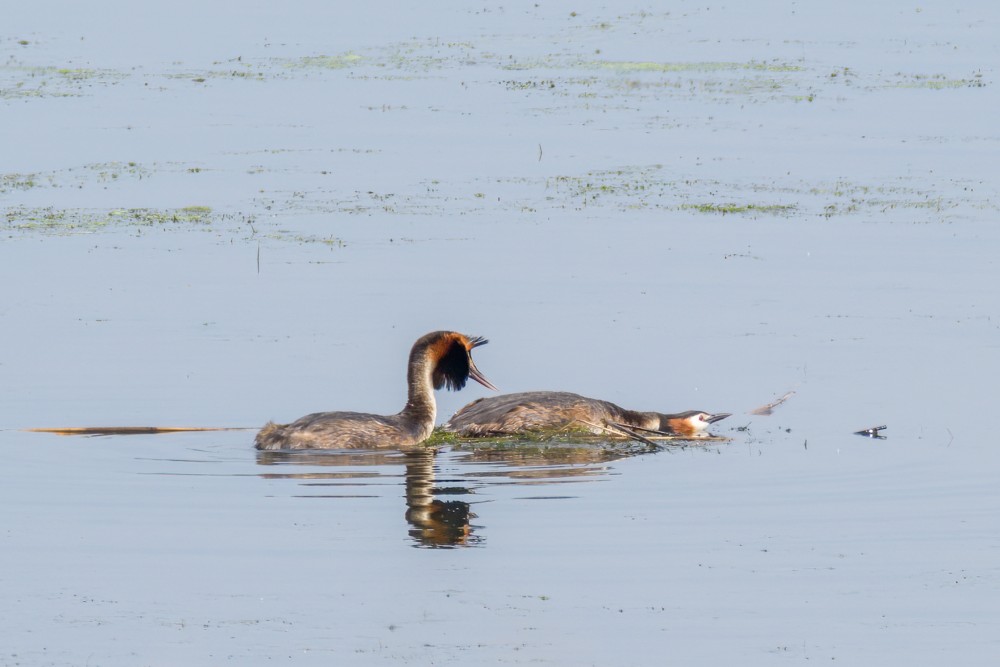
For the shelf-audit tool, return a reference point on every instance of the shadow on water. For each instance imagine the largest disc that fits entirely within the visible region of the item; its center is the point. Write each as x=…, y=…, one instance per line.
x=455, y=471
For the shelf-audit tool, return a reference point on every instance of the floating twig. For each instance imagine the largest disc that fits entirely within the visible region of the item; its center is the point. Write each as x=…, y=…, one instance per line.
x=132, y=430
x=769, y=408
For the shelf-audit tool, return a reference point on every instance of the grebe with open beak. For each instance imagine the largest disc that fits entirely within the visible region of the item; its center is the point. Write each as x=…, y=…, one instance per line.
x=534, y=411
x=439, y=359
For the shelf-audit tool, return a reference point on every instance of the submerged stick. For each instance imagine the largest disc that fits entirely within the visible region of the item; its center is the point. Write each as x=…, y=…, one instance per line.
x=619, y=430
x=663, y=434
x=628, y=432
x=131, y=430
x=663, y=439
x=657, y=438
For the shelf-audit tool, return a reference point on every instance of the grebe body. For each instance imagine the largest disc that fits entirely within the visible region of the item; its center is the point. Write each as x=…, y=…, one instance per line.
x=439, y=359
x=511, y=414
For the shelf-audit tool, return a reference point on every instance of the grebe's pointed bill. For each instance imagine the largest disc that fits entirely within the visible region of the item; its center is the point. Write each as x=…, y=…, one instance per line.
x=477, y=376
x=711, y=419
x=474, y=342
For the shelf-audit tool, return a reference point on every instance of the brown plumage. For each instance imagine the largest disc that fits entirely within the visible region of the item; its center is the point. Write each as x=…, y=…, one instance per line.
x=511, y=414
x=439, y=359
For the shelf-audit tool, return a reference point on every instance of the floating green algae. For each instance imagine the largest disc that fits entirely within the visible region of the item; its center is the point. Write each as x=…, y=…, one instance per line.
x=80, y=176
x=730, y=208
x=83, y=221
x=9, y=182
x=19, y=80
x=341, y=61
x=939, y=82
x=639, y=66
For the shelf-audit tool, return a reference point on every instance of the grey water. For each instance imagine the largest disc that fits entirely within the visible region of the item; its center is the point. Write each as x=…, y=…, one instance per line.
x=220, y=215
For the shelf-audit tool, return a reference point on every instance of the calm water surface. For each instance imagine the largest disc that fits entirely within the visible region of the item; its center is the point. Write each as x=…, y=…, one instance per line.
x=216, y=218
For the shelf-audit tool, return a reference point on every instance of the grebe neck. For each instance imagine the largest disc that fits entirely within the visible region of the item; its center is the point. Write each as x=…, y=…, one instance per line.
x=641, y=419
x=420, y=405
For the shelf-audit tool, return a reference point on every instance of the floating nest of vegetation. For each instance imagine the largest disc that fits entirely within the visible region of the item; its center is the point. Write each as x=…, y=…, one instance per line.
x=565, y=446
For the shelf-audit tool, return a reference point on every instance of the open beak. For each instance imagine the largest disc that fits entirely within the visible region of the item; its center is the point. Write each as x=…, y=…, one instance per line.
x=711, y=419
x=479, y=377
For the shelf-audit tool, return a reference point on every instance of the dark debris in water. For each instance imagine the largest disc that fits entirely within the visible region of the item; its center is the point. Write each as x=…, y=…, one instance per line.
x=872, y=432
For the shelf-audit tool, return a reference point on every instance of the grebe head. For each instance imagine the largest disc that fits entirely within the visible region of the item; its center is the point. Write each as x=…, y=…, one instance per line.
x=691, y=422
x=450, y=354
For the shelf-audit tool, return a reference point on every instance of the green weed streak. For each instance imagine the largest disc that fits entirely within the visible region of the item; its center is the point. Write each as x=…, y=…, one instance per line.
x=330, y=241
x=50, y=81
x=348, y=59
x=10, y=182
x=73, y=177
x=634, y=66
x=70, y=221
x=726, y=209
x=940, y=84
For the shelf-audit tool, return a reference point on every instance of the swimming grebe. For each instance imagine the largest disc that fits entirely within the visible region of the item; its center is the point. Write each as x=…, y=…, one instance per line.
x=441, y=358
x=511, y=414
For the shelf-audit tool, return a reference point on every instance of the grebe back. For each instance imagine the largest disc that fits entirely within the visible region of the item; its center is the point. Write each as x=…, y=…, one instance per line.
x=511, y=414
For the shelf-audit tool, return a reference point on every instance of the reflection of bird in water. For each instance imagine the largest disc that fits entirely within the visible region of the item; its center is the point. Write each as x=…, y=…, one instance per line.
x=441, y=358
x=535, y=411
x=435, y=523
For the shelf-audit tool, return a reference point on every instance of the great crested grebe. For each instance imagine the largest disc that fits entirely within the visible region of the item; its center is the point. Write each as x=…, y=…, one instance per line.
x=439, y=359
x=511, y=414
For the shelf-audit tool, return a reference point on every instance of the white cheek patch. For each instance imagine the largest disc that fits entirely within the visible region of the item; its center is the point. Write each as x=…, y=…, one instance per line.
x=698, y=422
